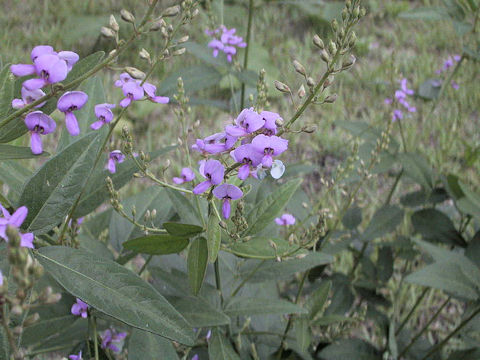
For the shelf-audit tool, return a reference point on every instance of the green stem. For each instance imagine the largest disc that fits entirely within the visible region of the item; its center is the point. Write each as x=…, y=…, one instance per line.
x=95, y=336
x=5, y=202
x=218, y=281
x=245, y=57
x=417, y=303
x=145, y=265
x=394, y=187
x=416, y=337
x=402, y=136
x=358, y=259
x=453, y=333
x=248, y=277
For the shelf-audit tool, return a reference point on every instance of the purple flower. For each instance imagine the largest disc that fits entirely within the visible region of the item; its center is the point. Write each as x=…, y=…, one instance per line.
x=397, y=115
x=69, y=57
x=110, y=337
x=388, y=101
x=270, y=127
x=195, y=357
x=246, y=123
x=39, y=124
x=213, y=171
x=76, y=357
x=227, y=192
x=217, y=46
x=455, y=85
x=124, y=78
x=209, y=335
x=405, y=89
x=249, y=157
x=1, y=278
x=28, y=96
x=15, y=220
x=68, y=103
x=150, y=90
x=50, y=69
x=132, y=91
x=186, y=175
x=285, y=220
x=269, y=146
x=103, y=114
x=80, y=309
x=227, y=43
x=114, y=157
x=215, y=143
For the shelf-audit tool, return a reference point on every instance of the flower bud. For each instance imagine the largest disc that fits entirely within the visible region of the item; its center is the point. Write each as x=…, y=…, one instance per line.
x=331, y=98
x=348, y=63
x=171, y=11
x=178, y=52
x=352, y=39
x=156, y=26
x=31, y=320
x=17, y=310
x=310, y=82
x=309, y=129
x=134, y=72
x=318, y=42
x=344, y=14
x=107, y=32
x=195, y=13
x=332, y=48
x=334, y=25
x=113, y=23
x=183, y=39
x=301, y=92
x=127, y=16
x=324, y=56
x=54, y=298
x=356, y=12
x=144, y=54
x=279, y=122
x=299, y=68
x=281, y=86
x=153, y=214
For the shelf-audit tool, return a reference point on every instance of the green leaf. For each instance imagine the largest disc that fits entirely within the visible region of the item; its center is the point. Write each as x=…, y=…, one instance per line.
x=470, y=203
x=418, y=169
x=350, y=349
x=93, y=87
x=384, y=221
x=50, y=193
x=264, y=213
x=273, y=270
x=385, y=263
x=197, y=263
x=198, y=312
x=13, y=130
x=435, y=226
x=194, y=78
x=121, y=229
x=473, y=249
x=303, y=333
x=241, y=306
x=261, y=248
x=112, y=289
x=13, y=174
x=352, y=218
x=160, y=244
x=186, y=230
x=317, y=300
x=10, y=152
x=203, y=53
x=427, y=13
x=430, y=89
x=184, y=207
x=214, y=238
x=84, y=65
x=143, y=345
x=219, y=347
x=6, y=91
x=327, y=320
x=96, y=191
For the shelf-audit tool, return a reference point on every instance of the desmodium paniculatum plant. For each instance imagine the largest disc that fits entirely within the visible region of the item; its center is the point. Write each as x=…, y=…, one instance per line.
x=170, y=194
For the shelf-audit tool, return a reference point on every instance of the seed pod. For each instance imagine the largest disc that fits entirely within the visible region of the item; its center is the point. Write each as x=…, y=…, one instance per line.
x=348, y=63
x=171, y=11
x=299, y=67
x=156, y=26
x=134, y=72
x=113, y=23
x=183, y=39
x=127, y=16
x=107, y=32
x=144, y=54
x=309, y=129
x=178, y=52
x=331, y=98
x=318, y=42
x=281, y=86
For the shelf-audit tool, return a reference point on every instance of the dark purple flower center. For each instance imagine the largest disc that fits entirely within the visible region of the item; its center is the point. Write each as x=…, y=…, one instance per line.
x=268, y=151
x=72, y=108
x=44, y=74
x=38, y=129
x=29, y=99
x=247, y=160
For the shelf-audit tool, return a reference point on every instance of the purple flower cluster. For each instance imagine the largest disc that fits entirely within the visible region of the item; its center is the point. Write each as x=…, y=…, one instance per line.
x=447, y=65
x=111, y=339
x=134, y=90
x=15, y=220
x=401, y=96
x=258, y=144
x=80, y=309
x=226, y=41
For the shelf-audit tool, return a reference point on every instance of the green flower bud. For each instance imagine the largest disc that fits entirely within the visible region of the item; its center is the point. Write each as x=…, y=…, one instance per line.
x=134, y=72
x=317, y=41
x=171, y=11
x=107, y=32
x=127, y=16
x=281, y=87
x=299, y=68
x=113, y=23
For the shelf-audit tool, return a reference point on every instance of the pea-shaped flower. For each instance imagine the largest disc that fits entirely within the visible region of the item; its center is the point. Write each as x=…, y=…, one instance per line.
x=151, y=90
x=38, y=124
x=249, y=157
x=285, y=220
x=269, y=146
x=213, y=171
x=270, y=127
x=68, y=103
x=15, y=220
x=104, y=115
x=80, y=309
x=28, y=96
x=227, y=192
x=247, y=122
x=132, y=91
x=50, y=68
x=76, y=357
x=186, y=175
x=114, y=158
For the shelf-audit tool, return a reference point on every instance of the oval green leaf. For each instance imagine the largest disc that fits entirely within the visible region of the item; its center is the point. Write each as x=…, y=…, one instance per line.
x=160, y=244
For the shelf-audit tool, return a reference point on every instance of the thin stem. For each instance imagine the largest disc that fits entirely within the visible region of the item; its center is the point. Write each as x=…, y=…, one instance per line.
x=453, y=333
x=218, y=281
x=394, y=187
x=402, y=136
x=95, y=337
x=150, y=257
x=245, y=56
x=425, y=328
x=10, y=337
x=417, y=303
x=232, y=91
x=357, y=259
x=248, y=277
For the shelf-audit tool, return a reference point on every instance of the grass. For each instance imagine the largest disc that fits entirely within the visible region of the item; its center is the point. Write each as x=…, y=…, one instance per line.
x=388, y=48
